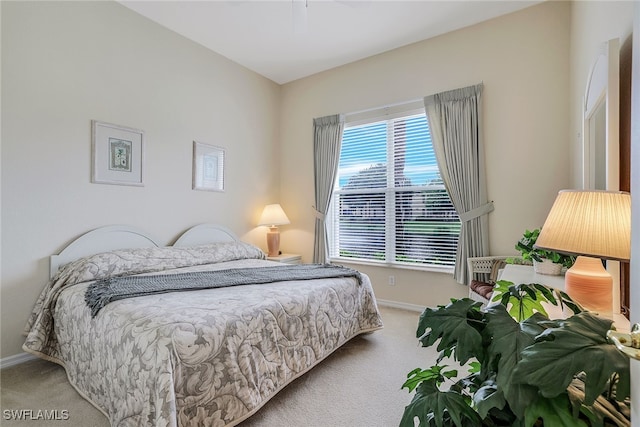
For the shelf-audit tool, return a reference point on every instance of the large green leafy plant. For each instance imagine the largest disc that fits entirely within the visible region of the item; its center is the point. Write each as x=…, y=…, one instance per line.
x=524, y=369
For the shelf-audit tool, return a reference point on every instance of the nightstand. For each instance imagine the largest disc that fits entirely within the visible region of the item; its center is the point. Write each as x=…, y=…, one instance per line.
x=286, y=258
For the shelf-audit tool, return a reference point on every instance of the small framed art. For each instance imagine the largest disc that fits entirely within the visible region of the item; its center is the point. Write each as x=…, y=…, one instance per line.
x=118, y=154
x=208, y=167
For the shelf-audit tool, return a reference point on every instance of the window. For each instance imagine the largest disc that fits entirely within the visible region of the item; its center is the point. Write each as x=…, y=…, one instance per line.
x=389, y=204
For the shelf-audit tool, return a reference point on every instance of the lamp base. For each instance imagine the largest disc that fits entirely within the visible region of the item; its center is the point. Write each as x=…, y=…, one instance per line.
x=590, y=285
x=273, y=242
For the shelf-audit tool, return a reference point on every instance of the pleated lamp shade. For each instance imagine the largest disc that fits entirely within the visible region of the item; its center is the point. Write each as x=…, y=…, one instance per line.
x=594, y=225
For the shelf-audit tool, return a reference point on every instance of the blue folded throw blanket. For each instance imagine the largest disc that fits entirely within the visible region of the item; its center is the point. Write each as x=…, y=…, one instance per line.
x=102, y=292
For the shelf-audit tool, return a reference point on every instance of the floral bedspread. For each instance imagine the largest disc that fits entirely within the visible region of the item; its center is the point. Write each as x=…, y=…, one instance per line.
x=199, y=358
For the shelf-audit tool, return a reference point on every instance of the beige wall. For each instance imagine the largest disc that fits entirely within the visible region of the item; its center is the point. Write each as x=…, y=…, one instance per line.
x=66, y=63
x=523, y=61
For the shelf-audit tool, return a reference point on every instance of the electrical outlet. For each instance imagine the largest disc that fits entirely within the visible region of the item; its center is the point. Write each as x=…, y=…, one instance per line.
x=392, y=280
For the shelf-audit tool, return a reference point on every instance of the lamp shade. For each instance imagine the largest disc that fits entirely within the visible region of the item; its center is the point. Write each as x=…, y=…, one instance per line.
x=591, y=223
x=273, y=215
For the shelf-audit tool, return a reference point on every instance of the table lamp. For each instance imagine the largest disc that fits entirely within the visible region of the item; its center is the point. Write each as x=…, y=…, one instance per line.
x=596, y=226
x=272, y=216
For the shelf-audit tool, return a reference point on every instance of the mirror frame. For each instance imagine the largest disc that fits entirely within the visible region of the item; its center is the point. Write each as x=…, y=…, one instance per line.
x=603, y=90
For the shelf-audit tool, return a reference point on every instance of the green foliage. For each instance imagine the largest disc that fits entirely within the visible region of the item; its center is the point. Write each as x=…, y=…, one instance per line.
x=521, y=364
x=563, y=348
x=524, y=300
x=554, y=411
x=452, y=408
x=436, y=373
x=453, y=327
x=525, y=246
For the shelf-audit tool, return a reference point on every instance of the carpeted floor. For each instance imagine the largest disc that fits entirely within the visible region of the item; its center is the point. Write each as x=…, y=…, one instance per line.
x=358, y=385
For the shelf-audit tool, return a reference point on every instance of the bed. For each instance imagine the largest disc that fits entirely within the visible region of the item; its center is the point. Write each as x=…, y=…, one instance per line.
x=202, y=357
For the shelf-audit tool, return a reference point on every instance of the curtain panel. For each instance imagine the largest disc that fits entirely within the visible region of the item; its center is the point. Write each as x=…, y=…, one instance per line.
x=455, y=120
x=327, y=138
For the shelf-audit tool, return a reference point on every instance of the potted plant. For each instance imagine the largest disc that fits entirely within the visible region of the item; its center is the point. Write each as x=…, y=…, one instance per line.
x=524, y=369
x=544, y=262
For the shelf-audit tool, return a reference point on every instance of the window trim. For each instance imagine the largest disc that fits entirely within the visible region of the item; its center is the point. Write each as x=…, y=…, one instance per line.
x=431, y=268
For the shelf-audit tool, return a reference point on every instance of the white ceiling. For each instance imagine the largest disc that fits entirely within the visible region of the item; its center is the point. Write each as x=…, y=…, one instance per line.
x=271, y=37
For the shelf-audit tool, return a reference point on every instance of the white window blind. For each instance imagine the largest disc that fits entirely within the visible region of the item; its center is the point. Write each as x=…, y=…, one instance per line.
x=389, y=204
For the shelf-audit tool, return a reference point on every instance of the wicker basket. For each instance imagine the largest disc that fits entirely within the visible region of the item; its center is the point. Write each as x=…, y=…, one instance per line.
x=546, y=266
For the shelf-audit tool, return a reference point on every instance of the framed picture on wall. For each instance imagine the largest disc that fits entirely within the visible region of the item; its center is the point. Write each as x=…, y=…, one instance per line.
x=118, y=154
x=208, y=167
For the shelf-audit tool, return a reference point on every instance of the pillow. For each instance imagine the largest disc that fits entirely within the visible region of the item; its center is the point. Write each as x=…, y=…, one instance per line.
x=145, y=260
x=481, y=288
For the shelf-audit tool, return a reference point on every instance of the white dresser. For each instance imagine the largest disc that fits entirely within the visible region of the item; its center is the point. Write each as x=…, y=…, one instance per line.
x=525, y=274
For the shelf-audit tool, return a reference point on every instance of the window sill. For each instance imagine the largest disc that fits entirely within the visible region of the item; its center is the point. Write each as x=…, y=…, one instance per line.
x=382, y=264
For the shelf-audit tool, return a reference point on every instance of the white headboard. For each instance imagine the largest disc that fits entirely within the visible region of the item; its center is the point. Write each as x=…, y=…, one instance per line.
x=102, y=239
x=203, y=234
x=113, y=237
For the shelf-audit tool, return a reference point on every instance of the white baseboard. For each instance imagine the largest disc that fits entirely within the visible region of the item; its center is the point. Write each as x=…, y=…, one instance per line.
x=401, y=305
x=16, y=359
